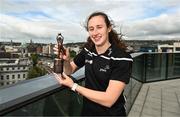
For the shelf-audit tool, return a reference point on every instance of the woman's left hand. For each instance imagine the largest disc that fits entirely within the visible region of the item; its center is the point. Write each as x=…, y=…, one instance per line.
x=63, y=79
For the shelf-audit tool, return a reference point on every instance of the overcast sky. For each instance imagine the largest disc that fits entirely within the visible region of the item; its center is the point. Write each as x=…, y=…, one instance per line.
x=42, y=20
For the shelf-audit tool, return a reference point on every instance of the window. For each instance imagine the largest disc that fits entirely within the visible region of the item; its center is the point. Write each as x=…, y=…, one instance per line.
x=177, y=49
x=13, y=76
x=7, y=68
x=2, y=77
x=7, y=76
x=18, y=75
x=24, y=75
x=12, y=68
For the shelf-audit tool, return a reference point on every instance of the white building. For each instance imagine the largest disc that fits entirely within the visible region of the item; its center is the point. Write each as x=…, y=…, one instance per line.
x=13, y=70
x=169, y=48
x=11, y=48
x=47, y=49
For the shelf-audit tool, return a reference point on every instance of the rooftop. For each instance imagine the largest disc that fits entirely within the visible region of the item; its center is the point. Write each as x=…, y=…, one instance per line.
x=158, y=99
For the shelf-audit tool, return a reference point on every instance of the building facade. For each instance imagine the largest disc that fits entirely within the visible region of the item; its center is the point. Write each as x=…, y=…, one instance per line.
x=13, y=70
x=175, y=47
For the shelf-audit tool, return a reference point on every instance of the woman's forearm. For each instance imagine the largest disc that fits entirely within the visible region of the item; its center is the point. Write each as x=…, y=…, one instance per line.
x=106, y=98
x=99, y=97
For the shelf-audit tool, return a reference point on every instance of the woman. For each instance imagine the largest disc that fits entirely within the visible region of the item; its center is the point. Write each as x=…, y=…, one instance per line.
x=107, y=69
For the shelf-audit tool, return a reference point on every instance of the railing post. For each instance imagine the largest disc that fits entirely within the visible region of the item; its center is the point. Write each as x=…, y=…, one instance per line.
x=144, y=67
x=167, y=66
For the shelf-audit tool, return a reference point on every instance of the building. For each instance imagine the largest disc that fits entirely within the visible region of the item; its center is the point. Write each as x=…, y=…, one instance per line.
x=13, y=70
x=47, y=50
x=175, y=47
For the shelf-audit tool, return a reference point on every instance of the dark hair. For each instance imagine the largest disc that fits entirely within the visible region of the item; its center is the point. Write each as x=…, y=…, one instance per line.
x=113, y=35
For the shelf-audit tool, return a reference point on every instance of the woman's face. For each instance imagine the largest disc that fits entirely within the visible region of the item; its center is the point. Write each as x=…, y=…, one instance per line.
x=98, y=31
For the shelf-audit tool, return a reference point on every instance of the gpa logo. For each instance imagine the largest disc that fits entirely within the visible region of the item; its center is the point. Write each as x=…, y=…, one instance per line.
x=104, y=69
x=89, y=61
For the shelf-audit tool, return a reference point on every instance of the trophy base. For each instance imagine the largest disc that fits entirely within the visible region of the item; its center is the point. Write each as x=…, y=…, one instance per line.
x=58, y=66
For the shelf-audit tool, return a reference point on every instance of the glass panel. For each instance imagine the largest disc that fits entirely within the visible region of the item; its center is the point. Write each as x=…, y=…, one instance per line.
x=155, y=67
x=62, y=103
x=173, y=65
x=131, y=91
x=138, y=68
x=134, y=86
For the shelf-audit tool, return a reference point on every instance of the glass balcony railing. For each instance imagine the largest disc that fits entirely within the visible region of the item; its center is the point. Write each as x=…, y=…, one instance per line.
x=43, y=96
x=150, y=67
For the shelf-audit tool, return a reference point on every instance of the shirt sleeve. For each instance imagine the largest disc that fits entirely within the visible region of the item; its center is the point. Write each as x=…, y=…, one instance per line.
x=79, y=60
x=121, y=70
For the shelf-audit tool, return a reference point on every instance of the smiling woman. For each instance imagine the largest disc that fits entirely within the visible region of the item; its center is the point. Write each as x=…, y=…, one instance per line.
x=107, y=69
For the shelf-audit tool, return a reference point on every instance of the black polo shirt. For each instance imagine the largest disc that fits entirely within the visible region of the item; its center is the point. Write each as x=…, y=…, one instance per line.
x=114, y=64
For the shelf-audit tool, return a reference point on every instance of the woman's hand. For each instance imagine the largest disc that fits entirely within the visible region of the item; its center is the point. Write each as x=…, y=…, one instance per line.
x=63, y=79
x=65, y=56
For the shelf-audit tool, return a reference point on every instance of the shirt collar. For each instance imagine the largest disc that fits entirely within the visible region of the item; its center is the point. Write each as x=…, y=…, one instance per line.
x=106, y=53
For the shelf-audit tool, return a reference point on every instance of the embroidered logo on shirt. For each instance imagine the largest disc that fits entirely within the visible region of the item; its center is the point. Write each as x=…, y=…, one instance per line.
x=110, y=51
x=89, y=61
x=104, y=69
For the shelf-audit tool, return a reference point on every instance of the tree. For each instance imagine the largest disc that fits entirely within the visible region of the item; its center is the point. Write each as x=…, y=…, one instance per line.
x=72, y=53
x=35, y=70
x=34, y=58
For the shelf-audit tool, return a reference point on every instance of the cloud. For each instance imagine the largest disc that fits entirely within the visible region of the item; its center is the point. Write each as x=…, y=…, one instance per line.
x=17, y=26
x=165, y=26
x=41, y=20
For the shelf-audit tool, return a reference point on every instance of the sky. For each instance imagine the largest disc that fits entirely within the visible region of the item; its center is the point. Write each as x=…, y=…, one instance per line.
x=41, y=20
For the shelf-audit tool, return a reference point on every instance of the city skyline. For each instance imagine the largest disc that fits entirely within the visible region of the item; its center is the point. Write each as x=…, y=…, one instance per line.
x=41, y=20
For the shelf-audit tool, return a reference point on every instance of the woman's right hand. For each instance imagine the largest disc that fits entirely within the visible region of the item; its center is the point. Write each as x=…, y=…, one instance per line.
x=63, y=79
x=65, y=55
